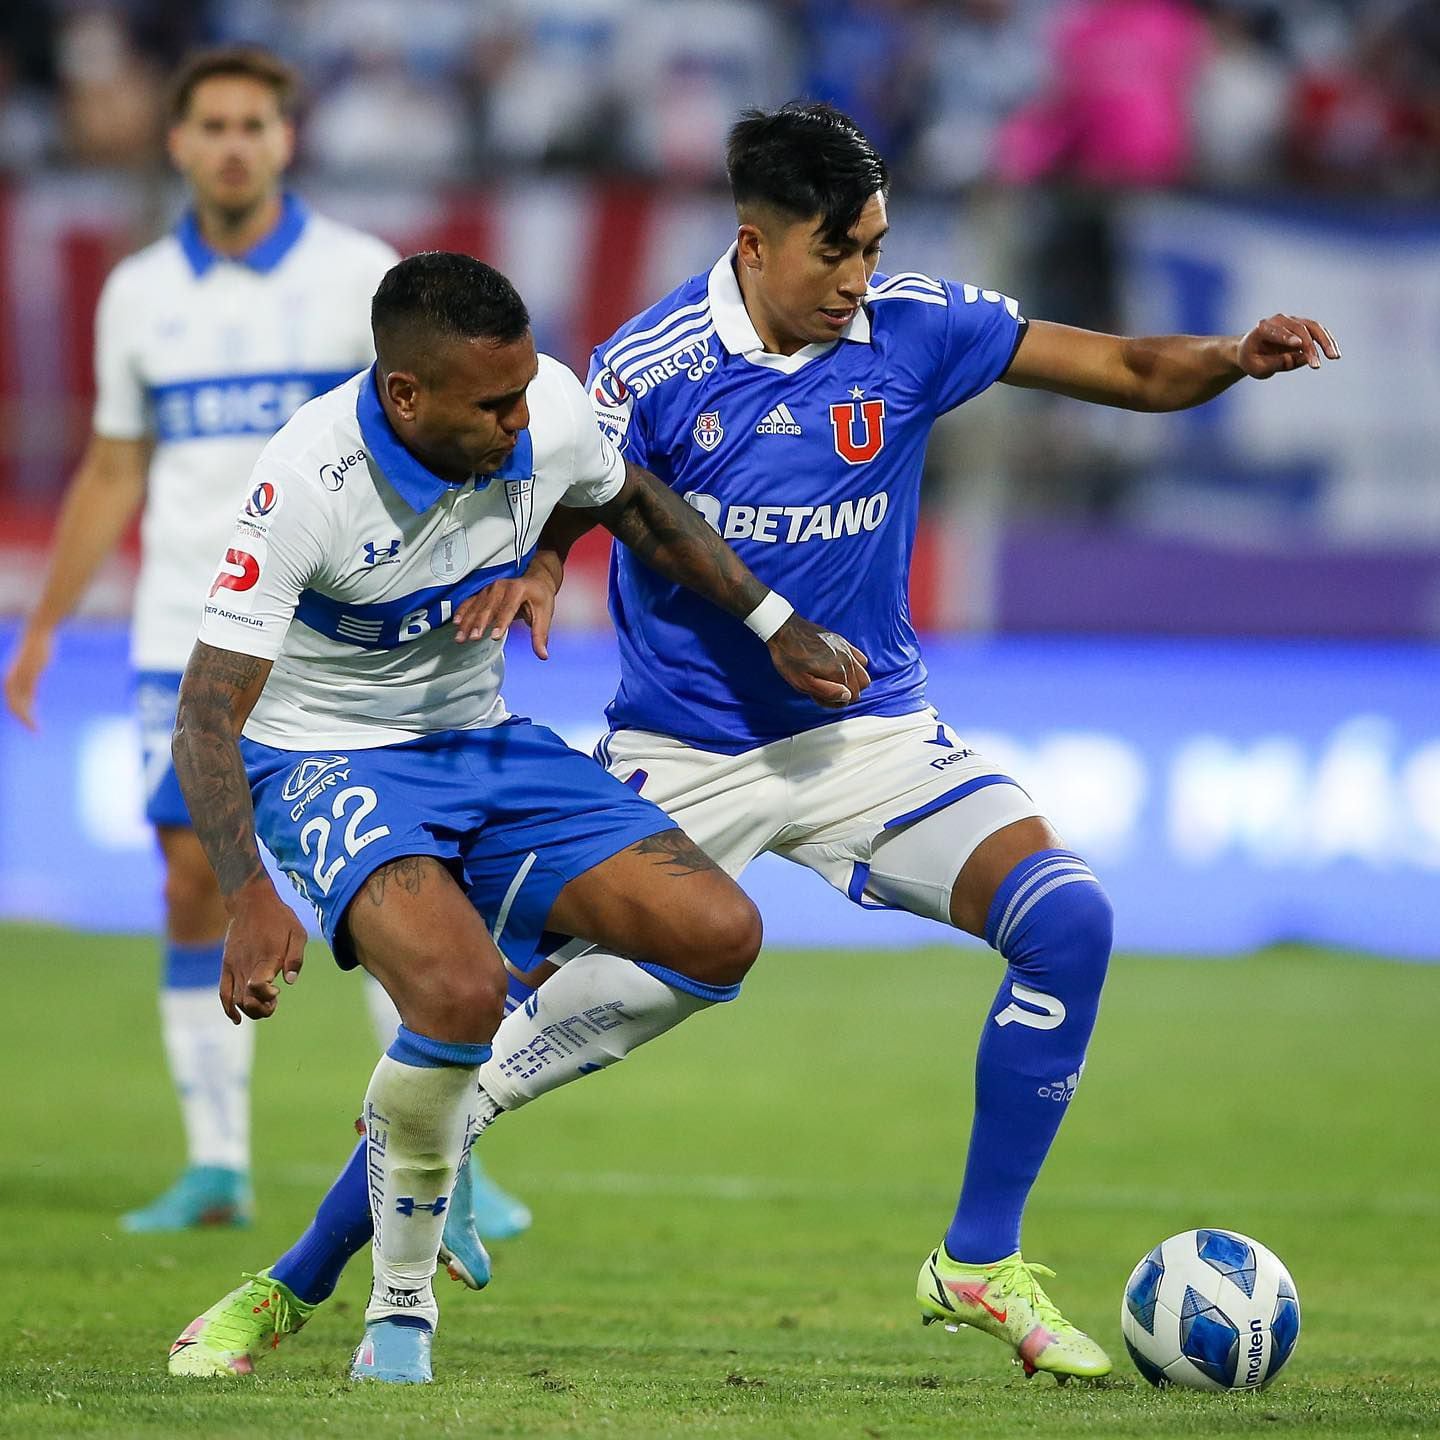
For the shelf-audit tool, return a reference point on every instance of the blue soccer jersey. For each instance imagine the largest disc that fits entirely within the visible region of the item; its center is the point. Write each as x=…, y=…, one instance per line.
x=808, y=464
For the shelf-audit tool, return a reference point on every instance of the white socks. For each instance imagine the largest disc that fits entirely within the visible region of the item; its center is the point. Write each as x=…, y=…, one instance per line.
x=594, y=1011
x=210, y=1063
x=418, y=1112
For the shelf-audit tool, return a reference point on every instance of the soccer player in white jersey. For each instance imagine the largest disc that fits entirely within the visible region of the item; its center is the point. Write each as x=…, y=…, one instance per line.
x=430, y=829
x=206, y=342
x=788, y=395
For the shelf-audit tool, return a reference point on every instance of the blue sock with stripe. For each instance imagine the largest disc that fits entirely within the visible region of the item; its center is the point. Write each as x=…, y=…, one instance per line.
x=1053, y=923
x=311, y=1267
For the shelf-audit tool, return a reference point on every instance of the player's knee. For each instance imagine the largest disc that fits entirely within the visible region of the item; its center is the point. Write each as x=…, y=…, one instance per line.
x=1061, y=932
x=461, y=1003
x=727, y=941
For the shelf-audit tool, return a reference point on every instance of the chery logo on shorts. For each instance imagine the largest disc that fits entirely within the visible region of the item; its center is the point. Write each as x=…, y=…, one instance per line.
x=307, y=772
x=243, y=577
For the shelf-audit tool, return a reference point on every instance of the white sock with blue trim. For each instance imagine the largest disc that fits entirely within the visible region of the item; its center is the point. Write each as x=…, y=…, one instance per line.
x=210, y=1058
x=418, y=1112
x=594, y=1011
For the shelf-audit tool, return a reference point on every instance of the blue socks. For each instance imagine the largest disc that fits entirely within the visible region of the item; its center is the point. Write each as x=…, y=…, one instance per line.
x=311, y=1267
x=192, y=967
x=1053, y=923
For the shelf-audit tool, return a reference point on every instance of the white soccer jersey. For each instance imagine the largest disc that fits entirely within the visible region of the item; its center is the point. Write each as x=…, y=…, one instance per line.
x=209, y=356
x=349, y=558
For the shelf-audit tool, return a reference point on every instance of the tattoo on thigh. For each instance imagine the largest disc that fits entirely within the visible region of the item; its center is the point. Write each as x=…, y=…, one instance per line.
x=408, y=873
x=677, y=852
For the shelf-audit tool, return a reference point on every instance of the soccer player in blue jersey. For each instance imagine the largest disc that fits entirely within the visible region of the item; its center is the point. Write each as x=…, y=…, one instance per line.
x=788, y=395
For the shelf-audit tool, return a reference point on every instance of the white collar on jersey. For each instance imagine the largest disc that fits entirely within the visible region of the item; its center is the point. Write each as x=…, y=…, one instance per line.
x=737, y=333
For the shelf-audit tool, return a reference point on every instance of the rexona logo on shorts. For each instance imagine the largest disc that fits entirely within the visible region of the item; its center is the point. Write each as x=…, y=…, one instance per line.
x=792, y=524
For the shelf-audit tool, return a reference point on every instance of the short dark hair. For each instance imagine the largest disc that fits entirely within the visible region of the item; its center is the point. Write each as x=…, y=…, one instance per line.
x=806, y=158
x=248, y=61
x=441, y=295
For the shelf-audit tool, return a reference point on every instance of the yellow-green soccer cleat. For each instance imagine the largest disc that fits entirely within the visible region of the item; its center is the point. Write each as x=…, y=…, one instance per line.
x=1005, y=1300
x=237, y=1331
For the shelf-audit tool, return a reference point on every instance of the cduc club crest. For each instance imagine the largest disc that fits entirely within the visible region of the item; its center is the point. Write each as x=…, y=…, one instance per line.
x=708, y=430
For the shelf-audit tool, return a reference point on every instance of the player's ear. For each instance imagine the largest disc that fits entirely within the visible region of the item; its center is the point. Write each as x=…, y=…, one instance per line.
x=402, y=387
x=175, y=144
x=750, y=247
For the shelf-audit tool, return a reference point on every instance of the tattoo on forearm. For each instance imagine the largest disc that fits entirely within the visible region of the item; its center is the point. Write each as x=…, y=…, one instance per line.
x=408, y=874
x=676, y=852
x=673, y=538
x=208, y=765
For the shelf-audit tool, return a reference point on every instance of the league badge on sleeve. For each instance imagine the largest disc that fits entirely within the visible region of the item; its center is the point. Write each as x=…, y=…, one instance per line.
x=264, y=498
x=708, y=431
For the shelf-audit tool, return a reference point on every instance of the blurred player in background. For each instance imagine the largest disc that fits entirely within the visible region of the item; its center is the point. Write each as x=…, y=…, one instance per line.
x=788, y=395
x=206, y=342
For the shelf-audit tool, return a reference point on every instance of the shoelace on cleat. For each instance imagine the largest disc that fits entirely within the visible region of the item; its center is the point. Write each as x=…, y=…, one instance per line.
x=1019, y=1277
x=261, y=1296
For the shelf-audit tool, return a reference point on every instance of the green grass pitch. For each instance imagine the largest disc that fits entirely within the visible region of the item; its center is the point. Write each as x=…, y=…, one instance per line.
x=729, y=1225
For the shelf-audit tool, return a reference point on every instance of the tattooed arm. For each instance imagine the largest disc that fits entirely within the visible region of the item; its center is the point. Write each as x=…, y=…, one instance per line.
x=673, y=538
x=264, y=939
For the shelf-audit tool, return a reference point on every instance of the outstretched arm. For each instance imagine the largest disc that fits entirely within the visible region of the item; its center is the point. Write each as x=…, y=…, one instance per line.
x=1163, y=372
x=264, y=939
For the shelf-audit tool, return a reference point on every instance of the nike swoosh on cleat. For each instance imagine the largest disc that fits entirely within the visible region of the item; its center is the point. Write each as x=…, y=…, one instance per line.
x=967, y=1292
x=180, y=1345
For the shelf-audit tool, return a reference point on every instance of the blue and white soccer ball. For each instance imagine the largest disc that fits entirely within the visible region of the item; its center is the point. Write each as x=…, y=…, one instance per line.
x=1210, y=1309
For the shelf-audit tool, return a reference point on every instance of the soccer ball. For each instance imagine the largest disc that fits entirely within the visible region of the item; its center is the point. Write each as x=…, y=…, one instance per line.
x=1210, y=1309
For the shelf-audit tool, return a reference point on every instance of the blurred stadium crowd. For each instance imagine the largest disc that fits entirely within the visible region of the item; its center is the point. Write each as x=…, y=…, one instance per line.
x=1138, y=166
x=1331, y=94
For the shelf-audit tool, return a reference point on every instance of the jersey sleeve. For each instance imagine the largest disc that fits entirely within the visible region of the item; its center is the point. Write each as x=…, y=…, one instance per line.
x=275, y=550
x=982, y=330
x=616, y=413
x=120, y=408
x=597, y=470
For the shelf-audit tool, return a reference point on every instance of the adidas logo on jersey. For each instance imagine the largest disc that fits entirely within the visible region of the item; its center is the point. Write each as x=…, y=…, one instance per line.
x=779, y=422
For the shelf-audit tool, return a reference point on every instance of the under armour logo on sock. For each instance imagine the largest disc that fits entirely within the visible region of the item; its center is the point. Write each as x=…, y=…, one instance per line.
x=408, y=1205
x=1012, y=1014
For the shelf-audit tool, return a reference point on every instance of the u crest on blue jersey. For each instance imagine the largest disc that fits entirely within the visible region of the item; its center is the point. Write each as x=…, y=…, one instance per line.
x=708, y=430
x=858, y=443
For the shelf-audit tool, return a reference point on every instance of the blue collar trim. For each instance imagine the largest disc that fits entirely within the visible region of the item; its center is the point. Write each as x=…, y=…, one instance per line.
x=263, y=256
x=417, y=485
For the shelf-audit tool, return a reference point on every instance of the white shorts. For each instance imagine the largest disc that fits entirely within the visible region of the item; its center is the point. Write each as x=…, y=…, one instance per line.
x=887, y=809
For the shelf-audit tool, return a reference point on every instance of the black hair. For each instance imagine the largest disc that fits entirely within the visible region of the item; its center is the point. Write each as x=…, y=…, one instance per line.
x=441, y=295
x=806, y=158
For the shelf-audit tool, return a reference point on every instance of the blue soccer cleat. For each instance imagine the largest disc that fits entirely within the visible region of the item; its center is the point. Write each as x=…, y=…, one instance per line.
x=203, y=1195
x=494, y=1214
x=394, y=1351
x=461, y=1251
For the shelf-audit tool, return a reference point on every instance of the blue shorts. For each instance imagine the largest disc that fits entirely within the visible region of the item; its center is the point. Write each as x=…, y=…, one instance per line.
x=157, y=697
x=512, y=810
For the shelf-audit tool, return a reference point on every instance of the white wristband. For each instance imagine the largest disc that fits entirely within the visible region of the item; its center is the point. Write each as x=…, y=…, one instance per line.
x=769, y=615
